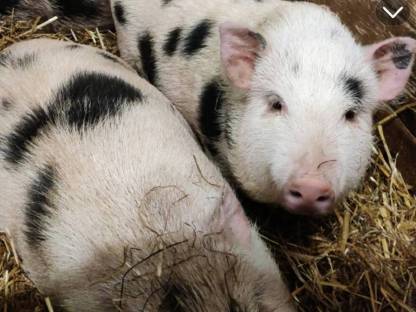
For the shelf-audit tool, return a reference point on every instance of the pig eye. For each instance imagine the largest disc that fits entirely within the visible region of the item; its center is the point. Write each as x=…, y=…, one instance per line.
x=275, y=102
x=350, y=115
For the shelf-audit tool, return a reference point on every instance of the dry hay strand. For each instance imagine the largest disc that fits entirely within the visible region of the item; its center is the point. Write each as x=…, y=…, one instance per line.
x=361, y=259
x=17, y=293
x=12, y=31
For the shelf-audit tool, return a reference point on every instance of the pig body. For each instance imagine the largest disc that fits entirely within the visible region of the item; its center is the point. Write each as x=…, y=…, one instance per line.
x=108, y=198
x=279, y=93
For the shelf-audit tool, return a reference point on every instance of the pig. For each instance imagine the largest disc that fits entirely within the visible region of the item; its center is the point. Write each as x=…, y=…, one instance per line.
x=279, y=93
x=108, y=197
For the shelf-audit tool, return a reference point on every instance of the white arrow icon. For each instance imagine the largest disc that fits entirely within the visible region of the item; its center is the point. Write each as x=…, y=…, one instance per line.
x=393, y=15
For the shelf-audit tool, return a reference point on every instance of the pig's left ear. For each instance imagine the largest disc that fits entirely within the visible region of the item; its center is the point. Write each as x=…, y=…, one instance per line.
x=232, y=219
x=240, y=48
x=393, y=60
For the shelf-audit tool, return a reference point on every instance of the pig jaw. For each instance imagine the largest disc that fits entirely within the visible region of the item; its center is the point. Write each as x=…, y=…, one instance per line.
x=303, y=185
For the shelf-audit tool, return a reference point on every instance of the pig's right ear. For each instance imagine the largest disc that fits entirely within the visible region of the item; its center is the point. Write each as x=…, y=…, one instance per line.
x=392, y=59
x=240, y=48
x=231, y=218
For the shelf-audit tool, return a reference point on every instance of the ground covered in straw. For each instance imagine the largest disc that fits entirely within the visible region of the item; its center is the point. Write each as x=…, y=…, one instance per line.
x=361, y=259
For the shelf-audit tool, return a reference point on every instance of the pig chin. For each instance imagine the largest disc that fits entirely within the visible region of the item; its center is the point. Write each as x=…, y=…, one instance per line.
x=307, y=210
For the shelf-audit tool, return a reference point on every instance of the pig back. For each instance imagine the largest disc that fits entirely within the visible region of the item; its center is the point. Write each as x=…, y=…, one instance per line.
x=91, y=157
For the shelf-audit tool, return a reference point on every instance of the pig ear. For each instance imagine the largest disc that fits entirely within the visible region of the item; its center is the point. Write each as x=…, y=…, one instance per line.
x=240, y=48
x=232, y=218
x=393, y=60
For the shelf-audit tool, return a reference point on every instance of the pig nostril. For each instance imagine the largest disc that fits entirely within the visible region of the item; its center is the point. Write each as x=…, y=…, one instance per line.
x=322, y=198
x=296, y=194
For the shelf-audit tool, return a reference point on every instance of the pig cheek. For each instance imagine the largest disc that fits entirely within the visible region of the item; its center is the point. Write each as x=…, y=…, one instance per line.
x=281, y=169
x=282, y=164
x=356, y=155
x=267, y=143
x=280, y=156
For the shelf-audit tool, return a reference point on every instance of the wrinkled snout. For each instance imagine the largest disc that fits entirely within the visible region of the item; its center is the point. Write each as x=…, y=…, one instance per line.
x=309, y=196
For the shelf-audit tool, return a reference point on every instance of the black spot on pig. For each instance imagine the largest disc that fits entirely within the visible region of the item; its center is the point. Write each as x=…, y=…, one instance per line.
x=19, y=141
x=119, y=13
x=85, y=100
x=354, y=87
x=401, y=56
x=93, y=97
x=197, y=37
x=79, y=8
x=148, y=57
x=296, y=68
x=172, y=41
x=234, y=306
x=73, y=46
x=6, y=104
x=20, y=62
x=38, y=207
x=173, y=299
x=7, y=5
x=165, y=2
x=211, y=105
x=228, y=125
x=110, y=57
x=25, y=61
x=5, y=58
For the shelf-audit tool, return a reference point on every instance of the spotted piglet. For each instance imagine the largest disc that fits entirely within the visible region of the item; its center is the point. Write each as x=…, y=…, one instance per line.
x=280, y=92
x=108, y=198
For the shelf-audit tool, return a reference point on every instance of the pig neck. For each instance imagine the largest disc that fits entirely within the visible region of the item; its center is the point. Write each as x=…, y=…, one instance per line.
x=222, y=148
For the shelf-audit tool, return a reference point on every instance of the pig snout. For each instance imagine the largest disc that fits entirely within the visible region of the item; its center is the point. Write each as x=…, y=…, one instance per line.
x=309, y=196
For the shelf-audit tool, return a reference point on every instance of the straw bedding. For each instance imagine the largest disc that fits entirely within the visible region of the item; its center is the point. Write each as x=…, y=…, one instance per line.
x=363, y=258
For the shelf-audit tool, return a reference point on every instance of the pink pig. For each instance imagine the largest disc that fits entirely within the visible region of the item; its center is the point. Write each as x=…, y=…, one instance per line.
x=280, y=92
